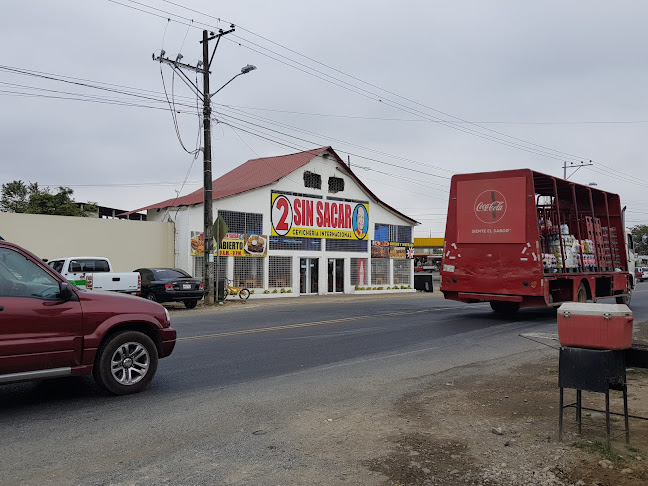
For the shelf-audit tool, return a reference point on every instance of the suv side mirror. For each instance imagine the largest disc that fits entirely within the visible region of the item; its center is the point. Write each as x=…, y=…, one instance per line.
x=65, y=291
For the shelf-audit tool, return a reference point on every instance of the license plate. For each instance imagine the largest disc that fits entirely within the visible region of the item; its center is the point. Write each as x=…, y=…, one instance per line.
x=448, y=268
x=186, y=286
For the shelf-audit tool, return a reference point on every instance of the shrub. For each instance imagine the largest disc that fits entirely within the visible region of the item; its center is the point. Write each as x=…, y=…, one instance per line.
x=266, y=291
x=357, y=287
x=289, y=291
x=380, y=288
x=403, y=287
x=251, y=291
x=275, y=291
x=283, y=291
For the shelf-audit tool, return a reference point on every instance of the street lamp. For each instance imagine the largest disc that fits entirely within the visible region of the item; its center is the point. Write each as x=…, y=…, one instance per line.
x=244, y=70
x=208, y=214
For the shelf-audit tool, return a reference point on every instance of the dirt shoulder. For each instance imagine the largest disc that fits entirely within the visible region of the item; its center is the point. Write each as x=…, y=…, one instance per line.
x=500, y=427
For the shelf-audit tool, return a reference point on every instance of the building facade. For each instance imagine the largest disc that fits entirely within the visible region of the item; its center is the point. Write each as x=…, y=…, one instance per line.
x=296, y=224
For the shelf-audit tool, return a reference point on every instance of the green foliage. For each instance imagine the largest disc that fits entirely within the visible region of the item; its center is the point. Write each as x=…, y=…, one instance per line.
x=275, y=291
x=600, y=449
x=283, y=291
x=18, y=197
x=266, y=291
x=380, y=288
x=638, y=231
x=289, y=291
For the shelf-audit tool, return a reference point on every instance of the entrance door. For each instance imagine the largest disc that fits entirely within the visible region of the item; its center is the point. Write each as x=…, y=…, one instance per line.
x=308, y=275
x=336, y=275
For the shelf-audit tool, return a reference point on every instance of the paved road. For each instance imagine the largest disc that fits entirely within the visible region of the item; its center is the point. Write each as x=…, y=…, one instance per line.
x=240, y=376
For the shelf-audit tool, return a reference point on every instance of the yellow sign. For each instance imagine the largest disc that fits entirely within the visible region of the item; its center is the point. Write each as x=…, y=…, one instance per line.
x=307, y=217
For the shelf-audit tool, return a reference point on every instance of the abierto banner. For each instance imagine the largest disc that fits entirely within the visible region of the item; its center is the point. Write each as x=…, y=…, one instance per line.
x=307, y=217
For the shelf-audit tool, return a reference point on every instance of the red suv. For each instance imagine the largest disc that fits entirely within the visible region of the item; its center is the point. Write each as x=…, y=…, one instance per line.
x=49, y=328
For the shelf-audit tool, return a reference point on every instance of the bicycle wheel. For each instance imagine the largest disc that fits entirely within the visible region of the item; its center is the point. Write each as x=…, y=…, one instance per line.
x=244, y=294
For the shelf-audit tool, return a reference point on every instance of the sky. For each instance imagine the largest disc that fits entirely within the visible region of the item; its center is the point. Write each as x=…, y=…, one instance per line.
x=410, y=95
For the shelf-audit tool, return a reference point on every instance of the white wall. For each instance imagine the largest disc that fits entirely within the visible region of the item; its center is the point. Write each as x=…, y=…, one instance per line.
x=128, y=244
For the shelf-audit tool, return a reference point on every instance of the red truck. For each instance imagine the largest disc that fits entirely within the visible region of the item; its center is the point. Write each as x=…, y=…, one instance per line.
x=49, y=328
x=519, y=238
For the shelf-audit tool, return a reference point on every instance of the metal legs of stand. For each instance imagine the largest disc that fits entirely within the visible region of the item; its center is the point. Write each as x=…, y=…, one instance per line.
x=579, y=412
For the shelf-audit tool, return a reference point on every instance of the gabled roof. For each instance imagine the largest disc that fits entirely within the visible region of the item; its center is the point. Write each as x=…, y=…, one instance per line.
x=261, y=172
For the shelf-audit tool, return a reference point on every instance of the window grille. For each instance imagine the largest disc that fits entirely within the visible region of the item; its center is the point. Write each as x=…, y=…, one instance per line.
x=312, y=180
x=246, y=223
x=347, y=245
x=392, y=232
x=379, y=271
x=336, y=184
x=291, y=243
x=280, y=272
x=359, y=273
x=199, y=263
x=402, y=270
x=248, y=272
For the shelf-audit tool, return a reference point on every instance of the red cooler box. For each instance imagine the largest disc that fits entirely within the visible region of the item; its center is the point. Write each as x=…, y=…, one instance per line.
x=595, y=326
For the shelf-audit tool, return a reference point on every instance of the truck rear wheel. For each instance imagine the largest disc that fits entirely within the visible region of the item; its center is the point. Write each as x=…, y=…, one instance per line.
x=625, y=299
x=505, y=307
x=126, y=363
x=581, y=294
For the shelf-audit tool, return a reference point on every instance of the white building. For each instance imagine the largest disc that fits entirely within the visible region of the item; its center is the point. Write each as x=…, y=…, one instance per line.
x=306, y=211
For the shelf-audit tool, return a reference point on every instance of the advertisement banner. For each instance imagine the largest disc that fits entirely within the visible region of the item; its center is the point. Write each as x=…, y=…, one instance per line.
x=240, y=245
x=491, y=211
x=392, y=249
x=307, y=217
x=233, y=244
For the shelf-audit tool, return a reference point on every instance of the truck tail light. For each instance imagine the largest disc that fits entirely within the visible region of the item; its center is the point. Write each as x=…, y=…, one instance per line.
x=201, y=287
x=89, y=282
x=139, y=283
x=168, y=287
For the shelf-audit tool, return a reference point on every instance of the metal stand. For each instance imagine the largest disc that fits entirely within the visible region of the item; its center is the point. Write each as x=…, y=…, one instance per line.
x=597, y=371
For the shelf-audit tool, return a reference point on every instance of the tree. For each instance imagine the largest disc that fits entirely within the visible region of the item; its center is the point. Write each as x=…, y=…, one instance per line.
x=17, y=197
x=639, y=236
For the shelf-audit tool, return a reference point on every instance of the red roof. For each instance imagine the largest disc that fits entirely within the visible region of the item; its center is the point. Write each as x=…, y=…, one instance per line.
x=257, y=173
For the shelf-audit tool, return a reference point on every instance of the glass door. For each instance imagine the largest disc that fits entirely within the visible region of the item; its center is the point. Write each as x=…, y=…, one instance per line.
x=335, y=275
x=308, y=275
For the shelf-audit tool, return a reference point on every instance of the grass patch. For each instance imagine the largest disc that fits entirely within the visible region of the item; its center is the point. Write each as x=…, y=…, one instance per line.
x=633, y=449
x=599, y=449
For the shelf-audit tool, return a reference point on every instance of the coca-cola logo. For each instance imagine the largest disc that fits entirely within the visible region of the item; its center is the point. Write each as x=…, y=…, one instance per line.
x=490, y=206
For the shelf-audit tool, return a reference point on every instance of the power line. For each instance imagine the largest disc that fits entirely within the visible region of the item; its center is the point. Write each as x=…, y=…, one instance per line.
x=546, y=152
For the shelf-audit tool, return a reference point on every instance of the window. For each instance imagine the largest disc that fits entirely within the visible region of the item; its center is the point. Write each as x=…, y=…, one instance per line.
x=359, y=273
x=199, y=264
x=57, y=265
x=392, y=232
x=246, y=223
x=336, y=184
x=402, y=270
x=248, y=272
x=379, y=271
x=312, y=180
x=21, y=278
x=169, y=274
x=290, y=243
x=88, y=265
x=280, y=272
x=347, y=245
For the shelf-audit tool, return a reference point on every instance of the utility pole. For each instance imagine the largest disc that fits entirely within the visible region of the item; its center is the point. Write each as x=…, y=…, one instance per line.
x=571, y=166
x=208, y=216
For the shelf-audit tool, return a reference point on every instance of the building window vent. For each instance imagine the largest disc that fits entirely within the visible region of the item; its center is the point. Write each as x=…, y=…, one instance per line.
x=312, y=180
x=336, y=184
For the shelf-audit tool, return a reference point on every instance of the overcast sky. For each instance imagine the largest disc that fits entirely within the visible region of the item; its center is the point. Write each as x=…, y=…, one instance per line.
x=411, y=91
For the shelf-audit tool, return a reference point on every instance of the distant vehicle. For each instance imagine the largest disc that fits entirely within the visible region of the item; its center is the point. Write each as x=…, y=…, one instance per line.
x=519, y=238
x=96, y=273
x=641, y=273
x=170, y=285
x=49, y=328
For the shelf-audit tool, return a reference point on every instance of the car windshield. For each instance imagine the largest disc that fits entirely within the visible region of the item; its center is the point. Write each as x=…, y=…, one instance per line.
x=170, y=273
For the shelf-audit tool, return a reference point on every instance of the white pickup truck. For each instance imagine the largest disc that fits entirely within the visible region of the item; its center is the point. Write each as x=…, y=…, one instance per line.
x=95, y=273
